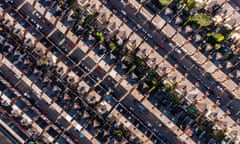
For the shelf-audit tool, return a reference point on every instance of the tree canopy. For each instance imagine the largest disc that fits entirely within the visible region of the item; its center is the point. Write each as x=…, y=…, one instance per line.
x=201, y=19
x=189, y=4
x=113, y=46
x=100, y=36
x=218, y=37
x=164, y=2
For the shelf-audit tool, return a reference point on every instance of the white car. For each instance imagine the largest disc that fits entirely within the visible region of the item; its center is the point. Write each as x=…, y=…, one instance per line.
x=26, y=94
x=38, y=15
x=159, y=124
x=123, y=2
x=177, y=50
x=139, y=26
x=123, y=12
x=149, y=35
x=171, y=45
x=149, y=124
x=132, y=109
x=17, y=76
x=145, y=31
x=39, y=27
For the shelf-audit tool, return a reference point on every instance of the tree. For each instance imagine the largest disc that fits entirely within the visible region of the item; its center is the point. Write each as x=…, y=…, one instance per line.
x=174, y=98
x=76, y=13
x=169, y=87
x=217, y=46
x=133, y=67
x=89, y=19
x=100, y=36
x=164, y=2
x=154, y=83
x=39, y=142
x=206, y=126
x=220, y=135
x=189, y=4
x=113, y=46
x=191, y=110
x=201, y=19
x=118, y=132
x=228, y=56
x=217, y=37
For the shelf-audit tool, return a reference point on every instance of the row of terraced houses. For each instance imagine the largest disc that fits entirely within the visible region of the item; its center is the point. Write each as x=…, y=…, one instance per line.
x=116, y=72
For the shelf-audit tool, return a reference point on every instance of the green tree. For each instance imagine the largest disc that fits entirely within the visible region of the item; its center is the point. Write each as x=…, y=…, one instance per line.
x=201, y=19
x=113, y=46
x=217, y=37
x=89, y=19
x=100, y=36
x=220, y=135
x=189, y=4
x=154, y=83
x=76, y=13
x=169, y=87
x=132, y=68
x=228, y=56
x=164, y=2
x=136, y=63
x=118, y=132
x=38, y=142
x=174, y=98
x=206, y=126
x=217, y=46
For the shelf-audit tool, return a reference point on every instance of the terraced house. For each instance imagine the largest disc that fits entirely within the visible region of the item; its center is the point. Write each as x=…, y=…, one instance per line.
x=127, y=71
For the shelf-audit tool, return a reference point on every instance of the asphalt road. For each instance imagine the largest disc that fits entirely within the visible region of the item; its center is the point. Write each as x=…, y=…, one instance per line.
x=235, y=4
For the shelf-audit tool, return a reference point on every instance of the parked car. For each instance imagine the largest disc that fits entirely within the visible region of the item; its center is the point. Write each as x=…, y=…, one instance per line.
x=38, y=15
x=2, y=39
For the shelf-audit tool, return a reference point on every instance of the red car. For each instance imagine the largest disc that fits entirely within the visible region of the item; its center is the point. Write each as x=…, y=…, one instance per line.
x=162, y=47
x=43, y=20
x=45, y=112
x=98, y=68
x=71, y=44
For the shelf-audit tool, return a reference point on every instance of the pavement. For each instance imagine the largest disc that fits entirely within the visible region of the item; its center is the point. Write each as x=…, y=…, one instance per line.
x=4, y=139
